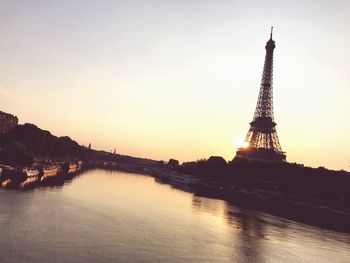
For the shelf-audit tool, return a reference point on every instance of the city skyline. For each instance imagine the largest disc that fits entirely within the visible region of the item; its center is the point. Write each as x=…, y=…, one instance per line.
x=179, y=80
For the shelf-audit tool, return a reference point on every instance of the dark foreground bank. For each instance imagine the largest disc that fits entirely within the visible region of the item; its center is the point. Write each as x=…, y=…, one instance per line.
x=316, y=196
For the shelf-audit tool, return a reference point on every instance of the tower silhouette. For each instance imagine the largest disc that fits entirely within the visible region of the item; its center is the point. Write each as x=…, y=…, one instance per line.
x=262, y=141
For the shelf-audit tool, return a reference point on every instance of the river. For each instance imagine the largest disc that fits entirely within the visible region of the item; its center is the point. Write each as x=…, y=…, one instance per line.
x=103, y=216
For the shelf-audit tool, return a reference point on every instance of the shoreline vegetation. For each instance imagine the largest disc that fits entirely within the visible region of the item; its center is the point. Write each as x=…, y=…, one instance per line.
x=316, y=196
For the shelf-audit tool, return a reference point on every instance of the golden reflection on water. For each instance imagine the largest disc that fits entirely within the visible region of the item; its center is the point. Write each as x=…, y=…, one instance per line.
x=214, y=209
x=226, y=214
x=252, y=231
x=105, y=216
x=245, y=229
x=137, y=191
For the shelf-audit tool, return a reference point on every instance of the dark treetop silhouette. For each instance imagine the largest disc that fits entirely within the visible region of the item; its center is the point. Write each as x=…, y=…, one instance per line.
x=262, y=140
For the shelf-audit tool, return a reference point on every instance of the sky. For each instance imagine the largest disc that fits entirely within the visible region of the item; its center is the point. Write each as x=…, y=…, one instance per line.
x=179, y=79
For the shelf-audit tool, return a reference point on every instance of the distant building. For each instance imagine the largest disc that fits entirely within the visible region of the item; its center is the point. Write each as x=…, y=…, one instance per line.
x=7, y=122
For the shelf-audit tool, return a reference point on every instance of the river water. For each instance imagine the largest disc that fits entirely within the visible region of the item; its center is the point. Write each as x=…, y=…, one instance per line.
x=103, y=216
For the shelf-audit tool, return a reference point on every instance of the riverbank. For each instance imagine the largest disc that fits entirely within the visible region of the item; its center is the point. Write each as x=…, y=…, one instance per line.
x=321, y=212
x=306, y=210
x=39, y=174
x=313, y=211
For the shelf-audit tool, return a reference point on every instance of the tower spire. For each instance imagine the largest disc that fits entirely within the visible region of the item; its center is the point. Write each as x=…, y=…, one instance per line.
x=262, y=136
x=271, y=32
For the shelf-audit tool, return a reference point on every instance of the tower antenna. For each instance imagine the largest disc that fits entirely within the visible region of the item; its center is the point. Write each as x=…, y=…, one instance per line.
x=271, y=32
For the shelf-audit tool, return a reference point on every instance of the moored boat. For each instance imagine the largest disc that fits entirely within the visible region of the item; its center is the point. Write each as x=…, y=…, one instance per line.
x=11, y=177
x=80, y=165
x=31, y=172
x=6, y=183
x=182, y=179
x=72, y=168
x=48, y=172
x=31, y=180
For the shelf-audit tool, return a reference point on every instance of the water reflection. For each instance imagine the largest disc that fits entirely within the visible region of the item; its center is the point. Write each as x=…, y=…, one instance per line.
x=104, y=216
x=260, y=237
x=245, y=225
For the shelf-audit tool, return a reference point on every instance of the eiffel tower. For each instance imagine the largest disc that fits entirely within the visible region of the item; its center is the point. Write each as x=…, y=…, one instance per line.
x=262, y=142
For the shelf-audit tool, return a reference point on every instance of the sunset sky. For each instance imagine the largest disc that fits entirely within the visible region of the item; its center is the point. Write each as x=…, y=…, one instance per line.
x=179, y=79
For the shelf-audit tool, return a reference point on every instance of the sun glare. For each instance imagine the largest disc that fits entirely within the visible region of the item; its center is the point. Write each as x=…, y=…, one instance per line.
x=241, y=143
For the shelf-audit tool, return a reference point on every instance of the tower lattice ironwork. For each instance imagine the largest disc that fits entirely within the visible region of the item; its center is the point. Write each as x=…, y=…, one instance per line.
x=262, y=141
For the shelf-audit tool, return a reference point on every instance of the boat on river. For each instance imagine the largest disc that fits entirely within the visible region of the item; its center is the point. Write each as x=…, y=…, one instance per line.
x=48, y=172
x=73, y=167
x=10, y=177
x=31, y=180
x=182, y=179
x=79, y=165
